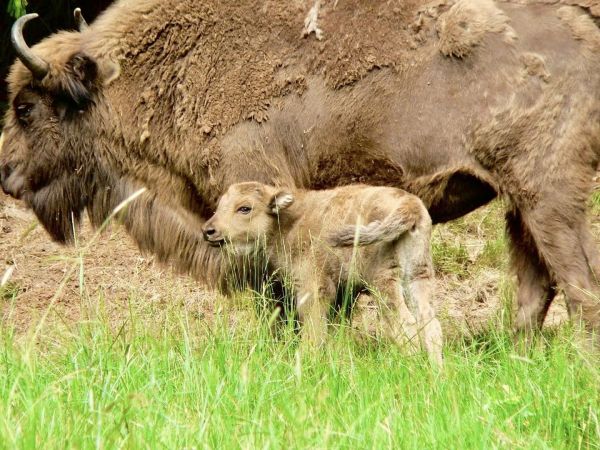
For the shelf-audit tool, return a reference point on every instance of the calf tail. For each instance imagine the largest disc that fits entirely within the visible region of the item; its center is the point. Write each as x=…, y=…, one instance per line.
x=403, y=219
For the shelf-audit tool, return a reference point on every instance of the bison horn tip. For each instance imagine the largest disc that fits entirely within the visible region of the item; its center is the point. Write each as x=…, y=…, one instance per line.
x=79, y=19
x=34, y=63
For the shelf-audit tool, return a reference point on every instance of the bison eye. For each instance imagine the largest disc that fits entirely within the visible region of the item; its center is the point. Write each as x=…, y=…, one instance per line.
x=244, y=209
x=24, y=111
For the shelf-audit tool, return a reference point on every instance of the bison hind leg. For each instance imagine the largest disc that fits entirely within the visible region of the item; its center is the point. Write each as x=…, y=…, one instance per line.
x=566, y=247
x=535, y=288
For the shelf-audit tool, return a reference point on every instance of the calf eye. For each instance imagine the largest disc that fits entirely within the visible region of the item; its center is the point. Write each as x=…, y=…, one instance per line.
x=244, y=209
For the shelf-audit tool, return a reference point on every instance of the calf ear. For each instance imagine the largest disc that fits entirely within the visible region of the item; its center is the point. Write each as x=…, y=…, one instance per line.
x=280, y=201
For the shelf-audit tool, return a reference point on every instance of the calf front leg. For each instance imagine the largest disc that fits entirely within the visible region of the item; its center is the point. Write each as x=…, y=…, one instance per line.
x=313, y=302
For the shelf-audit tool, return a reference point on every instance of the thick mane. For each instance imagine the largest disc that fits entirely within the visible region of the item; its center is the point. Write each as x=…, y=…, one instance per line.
x=192, y=69
x=591, y=6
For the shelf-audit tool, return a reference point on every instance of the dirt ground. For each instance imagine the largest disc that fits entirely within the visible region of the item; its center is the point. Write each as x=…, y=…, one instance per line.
x=108, y=275
x=113, y=271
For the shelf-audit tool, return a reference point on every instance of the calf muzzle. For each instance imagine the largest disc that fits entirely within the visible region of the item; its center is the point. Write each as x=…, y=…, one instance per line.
x=212, y=236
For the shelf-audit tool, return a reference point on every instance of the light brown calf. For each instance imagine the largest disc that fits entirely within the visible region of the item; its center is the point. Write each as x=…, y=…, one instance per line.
x=319, y=240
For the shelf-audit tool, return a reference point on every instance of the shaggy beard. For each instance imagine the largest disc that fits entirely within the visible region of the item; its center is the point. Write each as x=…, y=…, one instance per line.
x=59, y=207
x=163, y=228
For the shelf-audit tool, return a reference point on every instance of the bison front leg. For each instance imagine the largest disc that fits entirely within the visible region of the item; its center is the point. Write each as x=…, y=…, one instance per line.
x=535, y=289
x=591, y=252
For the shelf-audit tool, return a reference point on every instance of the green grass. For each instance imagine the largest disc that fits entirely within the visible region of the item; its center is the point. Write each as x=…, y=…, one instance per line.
x=450, y=257
x=595, y=203
x=486, y=229
x=179, y=383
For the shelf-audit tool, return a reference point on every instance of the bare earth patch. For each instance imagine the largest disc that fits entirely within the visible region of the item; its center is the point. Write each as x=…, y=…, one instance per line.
x=474, y=291
x=115, y=275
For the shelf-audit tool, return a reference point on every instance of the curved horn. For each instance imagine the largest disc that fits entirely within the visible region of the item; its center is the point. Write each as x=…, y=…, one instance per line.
x=79, y=20
x=37, y=65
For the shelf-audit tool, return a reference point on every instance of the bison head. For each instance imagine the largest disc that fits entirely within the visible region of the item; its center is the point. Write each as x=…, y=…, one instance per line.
x=48, y=154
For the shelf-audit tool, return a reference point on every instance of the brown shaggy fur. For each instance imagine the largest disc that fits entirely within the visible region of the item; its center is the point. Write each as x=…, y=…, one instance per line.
x=467, y=24
x=456, y=102
x=312, y=237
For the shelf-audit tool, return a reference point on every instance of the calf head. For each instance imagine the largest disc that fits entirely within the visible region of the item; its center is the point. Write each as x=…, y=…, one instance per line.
x=246, y=215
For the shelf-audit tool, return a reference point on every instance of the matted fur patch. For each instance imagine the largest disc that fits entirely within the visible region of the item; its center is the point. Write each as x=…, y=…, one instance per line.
x=464, y=26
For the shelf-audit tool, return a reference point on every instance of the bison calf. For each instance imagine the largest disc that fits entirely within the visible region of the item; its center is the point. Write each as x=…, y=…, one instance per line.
x=318, y=239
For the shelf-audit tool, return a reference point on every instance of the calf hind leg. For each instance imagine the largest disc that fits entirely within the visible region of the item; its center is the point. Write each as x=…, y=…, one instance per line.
x=419, y=285
x=414, y=255
x=400, y=325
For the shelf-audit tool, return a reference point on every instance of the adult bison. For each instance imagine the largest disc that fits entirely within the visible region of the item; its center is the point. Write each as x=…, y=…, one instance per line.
x=455, y=102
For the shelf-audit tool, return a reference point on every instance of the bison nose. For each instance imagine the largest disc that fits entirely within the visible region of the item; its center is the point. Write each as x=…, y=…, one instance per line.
x=5, y=172
x=12, y=182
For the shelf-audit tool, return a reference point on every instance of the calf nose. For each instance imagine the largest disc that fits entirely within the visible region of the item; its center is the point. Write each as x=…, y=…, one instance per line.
x=208, y=232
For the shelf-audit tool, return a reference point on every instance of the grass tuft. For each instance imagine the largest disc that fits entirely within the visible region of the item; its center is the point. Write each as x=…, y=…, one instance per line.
x=595, y=202
x=9, y=291
x=450, y=258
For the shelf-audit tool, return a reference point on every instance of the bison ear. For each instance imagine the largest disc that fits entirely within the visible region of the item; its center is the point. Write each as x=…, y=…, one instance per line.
x=81, y=78
x=83, y=67
x=281, y=200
